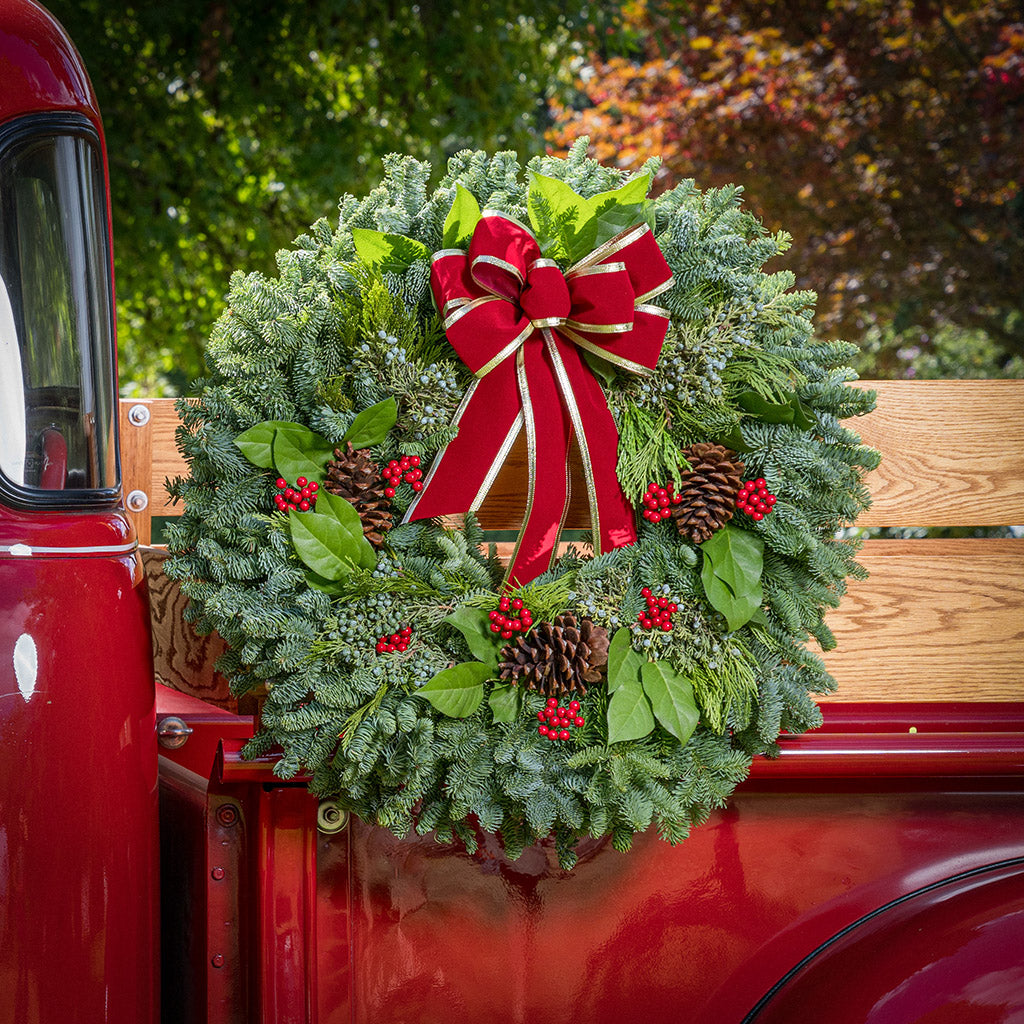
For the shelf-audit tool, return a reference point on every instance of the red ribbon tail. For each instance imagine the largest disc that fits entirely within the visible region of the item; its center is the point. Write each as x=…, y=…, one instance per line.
x=488, y=422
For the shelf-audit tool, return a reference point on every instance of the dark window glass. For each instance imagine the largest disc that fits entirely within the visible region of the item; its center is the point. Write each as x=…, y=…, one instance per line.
x=57, y=393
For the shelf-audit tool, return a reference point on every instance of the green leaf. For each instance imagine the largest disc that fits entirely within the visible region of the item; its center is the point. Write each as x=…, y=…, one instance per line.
x=475, y=626
x=299, y=451
x=731, y=574
x=601, y=368
x=791, y=410
x=322, y=544
x=563, y=221
x=623, y=662
x=371, y=426
x=629, y=713
x=504, y=702
x=461, y=220
x=457, y=691
x=331, y=587
x=382, y=251
x=622, y=208
x=734, y=440
x=257, y=442
x=671, y=697
x=345, y=513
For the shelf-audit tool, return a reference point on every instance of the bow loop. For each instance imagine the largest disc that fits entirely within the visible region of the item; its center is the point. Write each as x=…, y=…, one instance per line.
x=500, y=253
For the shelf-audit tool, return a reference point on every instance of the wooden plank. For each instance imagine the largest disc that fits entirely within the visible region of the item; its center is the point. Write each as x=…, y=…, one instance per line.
x=953, y=453
x=936, y=620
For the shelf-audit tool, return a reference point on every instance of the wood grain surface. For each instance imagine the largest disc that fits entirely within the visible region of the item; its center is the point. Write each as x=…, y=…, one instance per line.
x=952, y=455
x=182, y=659
x=935, y=620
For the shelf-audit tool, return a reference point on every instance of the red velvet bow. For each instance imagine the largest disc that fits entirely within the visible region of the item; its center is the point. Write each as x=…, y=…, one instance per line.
x=518, y=323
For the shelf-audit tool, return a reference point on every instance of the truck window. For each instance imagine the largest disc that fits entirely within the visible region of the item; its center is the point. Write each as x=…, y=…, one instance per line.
x=57, y=390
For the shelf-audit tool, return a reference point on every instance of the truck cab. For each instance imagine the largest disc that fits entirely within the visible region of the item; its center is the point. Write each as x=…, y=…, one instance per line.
x=78, y=778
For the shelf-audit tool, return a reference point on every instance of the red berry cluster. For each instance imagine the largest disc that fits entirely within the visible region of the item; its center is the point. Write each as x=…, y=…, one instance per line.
x=301, y=497
x=408, y=469
x=395, y=642
x=755, y=499
x=659, y=612
x=557, y=721
x=657, y=500
x=511, y=616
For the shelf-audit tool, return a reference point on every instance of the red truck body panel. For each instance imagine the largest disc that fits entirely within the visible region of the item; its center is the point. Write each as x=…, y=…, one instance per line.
x=79, y=866
x=815, y=895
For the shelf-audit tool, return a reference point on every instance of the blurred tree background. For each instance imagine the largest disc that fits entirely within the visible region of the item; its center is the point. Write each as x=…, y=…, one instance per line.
x=886, y=137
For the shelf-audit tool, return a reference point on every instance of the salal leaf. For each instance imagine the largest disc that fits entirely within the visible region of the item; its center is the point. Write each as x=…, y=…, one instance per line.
x=372, y=425
x=457, y=691
x=671, y=697
x=561, y=219
x=791, y=410
x=475, y=626
x=629, y=712
x=734, y=440
x=299, y=451
x=601, y=368
x=731, y=574
x=382, y=251
x=621, y=208
x=623, y=662
x=504, y=703
x=257, y=442
x=331, y=587
x=344, y=512
x=462, y=219
x=323, y=544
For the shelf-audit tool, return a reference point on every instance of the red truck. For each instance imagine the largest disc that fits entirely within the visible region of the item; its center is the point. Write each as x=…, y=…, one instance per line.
x=874, y=872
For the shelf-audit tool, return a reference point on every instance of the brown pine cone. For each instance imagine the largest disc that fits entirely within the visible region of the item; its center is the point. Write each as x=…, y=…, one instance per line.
x=556, y=657
x=708, y=491
x=352, y=475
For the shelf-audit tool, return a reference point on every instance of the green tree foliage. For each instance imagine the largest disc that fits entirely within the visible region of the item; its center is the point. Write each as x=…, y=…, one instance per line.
x=231, y=125
x=886, y=137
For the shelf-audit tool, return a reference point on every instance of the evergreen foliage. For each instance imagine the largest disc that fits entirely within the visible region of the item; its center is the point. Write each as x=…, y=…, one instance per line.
x=328, y=338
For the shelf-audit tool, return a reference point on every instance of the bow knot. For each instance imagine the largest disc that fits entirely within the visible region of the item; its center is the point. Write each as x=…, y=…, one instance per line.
x=494, y=299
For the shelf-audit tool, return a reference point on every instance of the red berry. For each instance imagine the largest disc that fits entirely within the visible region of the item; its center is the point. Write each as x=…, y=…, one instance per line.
x=403, y=646
x=543, y=730
x=515, y=625
x=409, y=478
x=646, y=592
x=495, y=628
x=578, y=722
x=676, y=499
x=304, y=505
x=501, y=620
x=517, y=603
x=666, y=627
x=527, y=617
x=673, y=607
x=741, y=501
x=640, y=617
x=417, y=486
x=389, y=492
x=301, y=482
x=503, y=604
x=757, y=516
x=760, y=482
x=646, y=623
x=552, y=702
x=574, y=705
x=563, y=712
x=381, y=648
x=770, y=500
x=314, y=486
x=390, y=648
x=507, y=634
x=281, y=482
x=564, y=734
x=393, y=464
x=414, y=460
x=492, y=616
x=403, y=462
x=663, y=502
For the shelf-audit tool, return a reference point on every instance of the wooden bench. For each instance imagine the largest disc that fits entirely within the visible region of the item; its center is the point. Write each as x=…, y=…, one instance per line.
x=937, y=619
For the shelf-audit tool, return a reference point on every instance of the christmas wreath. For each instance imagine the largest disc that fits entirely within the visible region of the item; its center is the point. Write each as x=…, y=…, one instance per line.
x=377, y=385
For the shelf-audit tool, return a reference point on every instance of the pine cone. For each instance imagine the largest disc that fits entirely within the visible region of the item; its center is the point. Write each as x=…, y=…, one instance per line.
x=556, y=657
x=353, y=476
x=708, y=491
